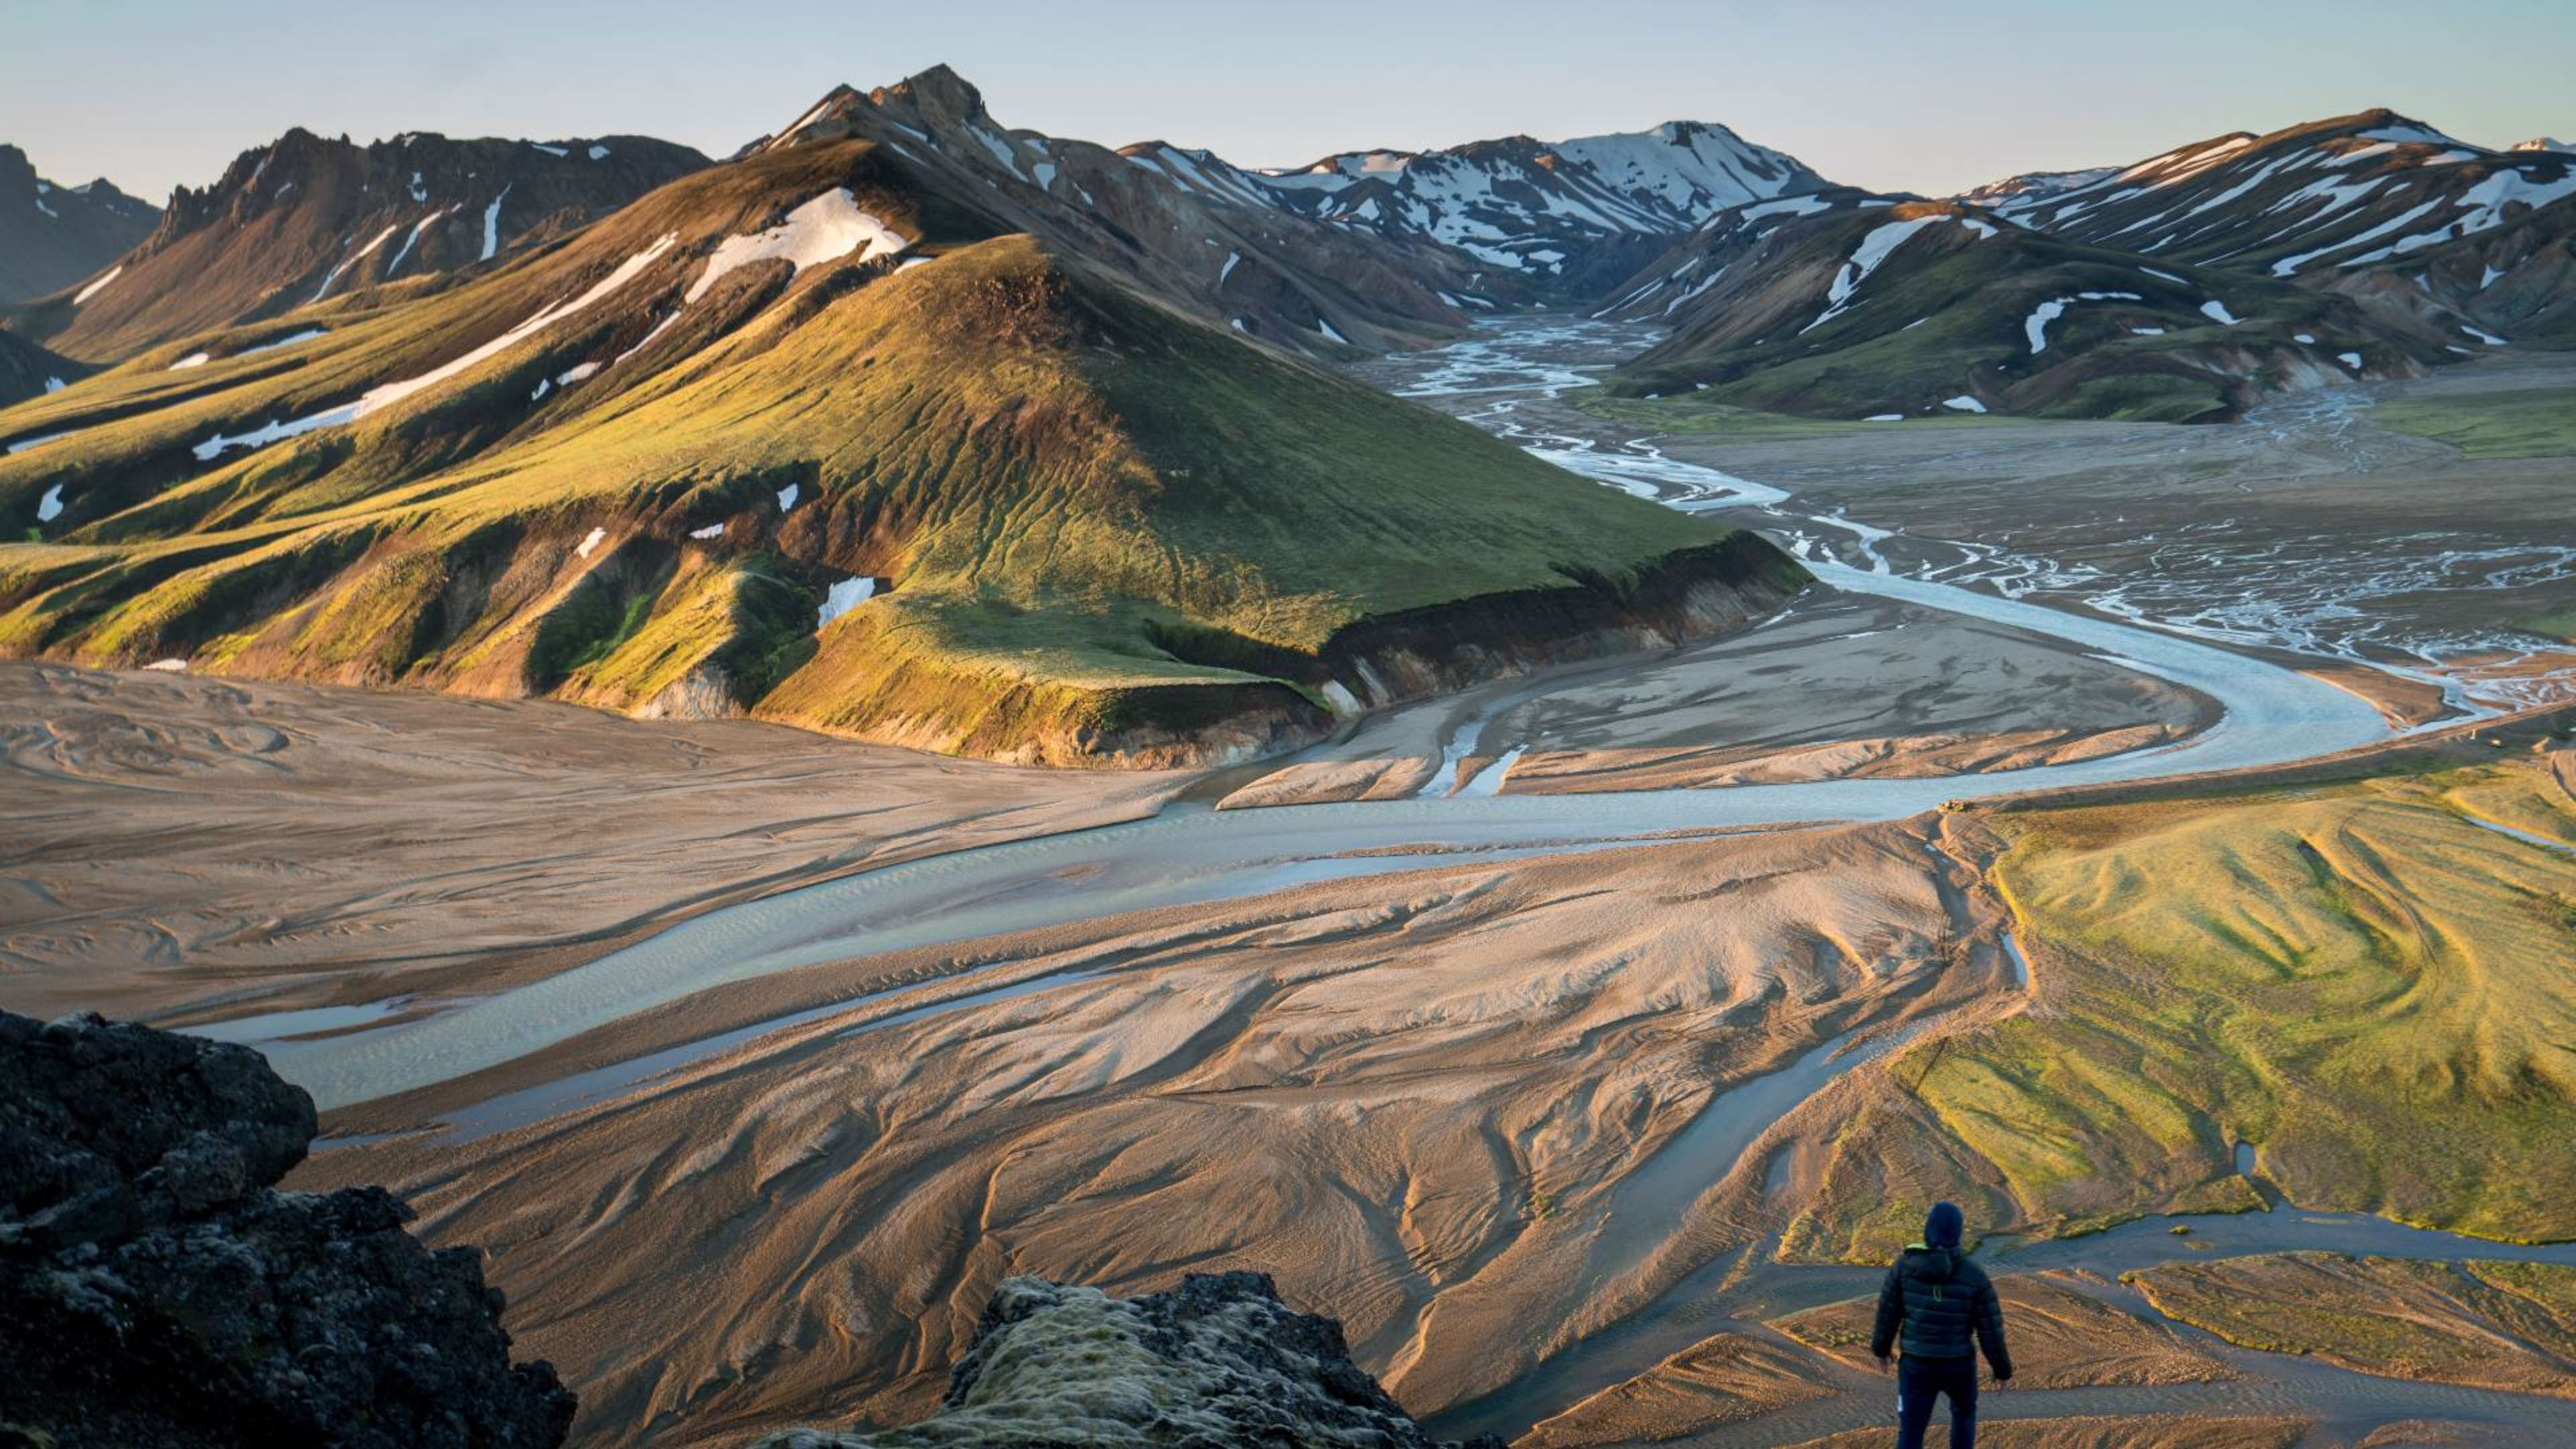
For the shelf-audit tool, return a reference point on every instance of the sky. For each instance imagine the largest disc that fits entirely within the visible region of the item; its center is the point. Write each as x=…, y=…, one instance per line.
x=1892, y=96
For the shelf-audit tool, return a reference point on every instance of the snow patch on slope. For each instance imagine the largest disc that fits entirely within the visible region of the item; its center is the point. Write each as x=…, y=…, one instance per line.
x=829, y=226
x=844, y=596
x=351, y=260
x=492, y=222
x=91, y=290
x=378, y=398
x=1865, y=258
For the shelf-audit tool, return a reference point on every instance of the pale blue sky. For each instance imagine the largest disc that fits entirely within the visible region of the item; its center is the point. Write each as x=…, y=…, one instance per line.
x=1923, y=97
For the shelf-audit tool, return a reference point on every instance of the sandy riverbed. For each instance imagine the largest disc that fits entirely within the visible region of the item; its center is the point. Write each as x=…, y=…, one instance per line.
x=181, y=847
x=1841, y=686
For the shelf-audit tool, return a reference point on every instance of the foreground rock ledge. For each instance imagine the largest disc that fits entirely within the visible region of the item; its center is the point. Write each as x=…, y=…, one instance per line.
x=1216, y=1363
x=155, y=1289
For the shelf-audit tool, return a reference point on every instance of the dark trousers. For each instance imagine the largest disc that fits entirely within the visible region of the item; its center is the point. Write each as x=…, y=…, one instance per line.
x=1921, y=1380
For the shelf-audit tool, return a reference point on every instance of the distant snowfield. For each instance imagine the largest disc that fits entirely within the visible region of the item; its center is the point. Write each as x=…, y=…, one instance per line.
x=828, y=227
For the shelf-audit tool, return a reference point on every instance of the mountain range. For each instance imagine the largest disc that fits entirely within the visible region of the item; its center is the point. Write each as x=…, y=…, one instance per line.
x=908, y=424
x=848, y=433
x=52, y=236
x=303, y=219
x=2364, y=205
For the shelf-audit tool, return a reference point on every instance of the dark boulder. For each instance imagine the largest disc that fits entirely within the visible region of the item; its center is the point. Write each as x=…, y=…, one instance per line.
x=155, y=1288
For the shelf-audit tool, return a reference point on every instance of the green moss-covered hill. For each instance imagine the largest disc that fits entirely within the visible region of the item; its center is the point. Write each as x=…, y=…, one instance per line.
x=1091, y=529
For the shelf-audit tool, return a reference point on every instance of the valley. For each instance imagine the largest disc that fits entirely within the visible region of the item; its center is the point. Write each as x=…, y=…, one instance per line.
x=1641, y=1137
x=1540, y=741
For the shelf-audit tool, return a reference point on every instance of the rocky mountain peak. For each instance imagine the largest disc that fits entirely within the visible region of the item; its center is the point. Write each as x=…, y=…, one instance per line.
x=52, y=236
x=936, y=94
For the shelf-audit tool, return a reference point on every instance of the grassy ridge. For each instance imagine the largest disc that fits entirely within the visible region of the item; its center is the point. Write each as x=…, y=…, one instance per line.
x=2362, y=980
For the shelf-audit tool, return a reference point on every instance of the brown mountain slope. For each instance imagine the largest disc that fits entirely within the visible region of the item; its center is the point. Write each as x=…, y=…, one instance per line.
x=305, y=218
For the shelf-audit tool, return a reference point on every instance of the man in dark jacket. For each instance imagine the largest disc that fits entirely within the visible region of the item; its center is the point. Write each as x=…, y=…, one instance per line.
x=1946, y=1309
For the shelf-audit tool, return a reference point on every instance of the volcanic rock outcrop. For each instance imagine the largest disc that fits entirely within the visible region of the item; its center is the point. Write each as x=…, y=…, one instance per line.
x=1215, y=1363
x=156, y=1289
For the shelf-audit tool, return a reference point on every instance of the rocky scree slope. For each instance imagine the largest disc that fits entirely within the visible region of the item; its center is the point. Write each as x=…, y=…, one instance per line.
x=812, y=434
x=155, y=1287
x=52, y=235
x=1216, y=1363
x=305, y=218
x=1845, y=305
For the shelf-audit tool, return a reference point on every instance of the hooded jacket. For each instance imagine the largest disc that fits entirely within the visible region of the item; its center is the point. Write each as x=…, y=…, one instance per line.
x=1943, y=1306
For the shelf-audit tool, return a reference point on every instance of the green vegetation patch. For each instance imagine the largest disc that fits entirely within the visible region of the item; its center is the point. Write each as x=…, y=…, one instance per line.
x=2535, y=422
x=2497, y=1325
x=2363, y=980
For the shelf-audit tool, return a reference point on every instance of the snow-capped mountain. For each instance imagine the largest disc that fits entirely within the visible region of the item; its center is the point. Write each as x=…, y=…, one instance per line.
x=52, y=235
x=1847, y=305
x=2341, y=193
x=2544, y=143
x=1427, y=238
x=306, y=218
x=1570, y=216
x=2032, y=187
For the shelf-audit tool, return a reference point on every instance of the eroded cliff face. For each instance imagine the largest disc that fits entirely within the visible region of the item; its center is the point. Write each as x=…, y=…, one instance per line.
x=1216, y=1363
x=155, y=1288
x=1387, y=659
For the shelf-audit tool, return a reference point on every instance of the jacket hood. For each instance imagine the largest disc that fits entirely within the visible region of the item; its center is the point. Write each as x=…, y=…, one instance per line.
x=1933, y=1265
